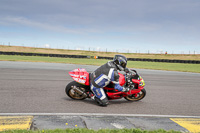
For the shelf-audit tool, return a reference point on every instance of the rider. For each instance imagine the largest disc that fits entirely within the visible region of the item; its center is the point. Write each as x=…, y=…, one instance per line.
x=105, y=74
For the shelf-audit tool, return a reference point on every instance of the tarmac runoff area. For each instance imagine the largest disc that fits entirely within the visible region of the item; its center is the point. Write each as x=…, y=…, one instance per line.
x=28, y=121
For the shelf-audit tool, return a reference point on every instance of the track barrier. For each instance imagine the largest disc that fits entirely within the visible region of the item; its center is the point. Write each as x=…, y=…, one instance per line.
x=99, y=57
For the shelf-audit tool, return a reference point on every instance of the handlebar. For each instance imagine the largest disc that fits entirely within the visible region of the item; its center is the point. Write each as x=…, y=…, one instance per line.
x=127, y=70
x=131, y=74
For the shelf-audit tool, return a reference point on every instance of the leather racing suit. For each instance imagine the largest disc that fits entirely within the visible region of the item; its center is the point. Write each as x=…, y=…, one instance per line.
x=100, y=78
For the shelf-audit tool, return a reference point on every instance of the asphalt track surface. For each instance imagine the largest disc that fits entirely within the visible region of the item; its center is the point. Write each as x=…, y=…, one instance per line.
x=27, y=87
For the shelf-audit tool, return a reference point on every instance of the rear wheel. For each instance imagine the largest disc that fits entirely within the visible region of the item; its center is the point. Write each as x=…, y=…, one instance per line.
x=136, y=97
x=76, y=91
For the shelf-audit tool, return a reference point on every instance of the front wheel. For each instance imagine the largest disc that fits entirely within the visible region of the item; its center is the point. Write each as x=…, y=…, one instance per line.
x=136, y=97
x=76, y=91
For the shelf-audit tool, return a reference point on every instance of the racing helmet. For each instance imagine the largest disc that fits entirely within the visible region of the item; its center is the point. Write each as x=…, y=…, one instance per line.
x=120, y=61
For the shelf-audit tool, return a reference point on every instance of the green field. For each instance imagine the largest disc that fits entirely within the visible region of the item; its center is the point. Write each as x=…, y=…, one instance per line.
x=131, y=64
x=98, y=53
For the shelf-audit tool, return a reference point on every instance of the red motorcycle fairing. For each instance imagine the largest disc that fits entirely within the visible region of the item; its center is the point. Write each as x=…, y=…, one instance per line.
x=118, y=94
x=81, y=76
x=122, y=79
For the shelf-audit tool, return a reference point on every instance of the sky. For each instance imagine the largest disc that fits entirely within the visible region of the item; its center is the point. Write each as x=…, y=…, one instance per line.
x=131, y=26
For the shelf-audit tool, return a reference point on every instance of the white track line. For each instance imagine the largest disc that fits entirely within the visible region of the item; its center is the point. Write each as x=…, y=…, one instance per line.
x=96, y=114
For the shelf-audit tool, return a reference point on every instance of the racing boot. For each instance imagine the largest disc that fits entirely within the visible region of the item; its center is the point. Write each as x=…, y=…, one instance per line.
x=103, y=102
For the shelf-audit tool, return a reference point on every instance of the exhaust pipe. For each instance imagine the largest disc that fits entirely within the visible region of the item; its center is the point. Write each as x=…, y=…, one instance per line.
x=80, y=92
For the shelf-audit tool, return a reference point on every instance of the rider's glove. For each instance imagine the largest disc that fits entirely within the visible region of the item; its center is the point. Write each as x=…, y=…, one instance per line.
x=125, y=89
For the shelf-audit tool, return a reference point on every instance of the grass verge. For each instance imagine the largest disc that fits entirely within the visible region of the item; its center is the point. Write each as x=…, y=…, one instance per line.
x=131, y=64
x=84, y=130
x=96, y=53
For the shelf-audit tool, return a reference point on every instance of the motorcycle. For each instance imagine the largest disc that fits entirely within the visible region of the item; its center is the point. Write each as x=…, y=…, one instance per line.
x=79, y=89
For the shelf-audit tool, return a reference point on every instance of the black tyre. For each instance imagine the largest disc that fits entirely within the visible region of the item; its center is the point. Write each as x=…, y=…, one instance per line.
x=75, y=90
x=140, y=96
